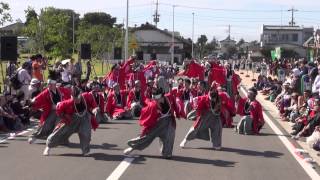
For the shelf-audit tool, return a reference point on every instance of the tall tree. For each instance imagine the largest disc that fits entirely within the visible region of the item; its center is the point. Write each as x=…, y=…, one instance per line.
x=240, y=42
x=30, y=15
x=4, y=13
x=201, y=43
x=99, y=18
x=212, y=46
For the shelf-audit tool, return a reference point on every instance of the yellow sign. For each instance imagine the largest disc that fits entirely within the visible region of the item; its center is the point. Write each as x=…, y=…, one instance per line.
x=133, y=45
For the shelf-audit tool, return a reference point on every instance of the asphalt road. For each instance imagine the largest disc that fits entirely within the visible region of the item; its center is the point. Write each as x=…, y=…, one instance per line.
x=242, y=157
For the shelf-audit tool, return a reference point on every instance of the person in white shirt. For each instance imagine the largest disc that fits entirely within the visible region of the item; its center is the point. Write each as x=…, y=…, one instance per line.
x=24, y=77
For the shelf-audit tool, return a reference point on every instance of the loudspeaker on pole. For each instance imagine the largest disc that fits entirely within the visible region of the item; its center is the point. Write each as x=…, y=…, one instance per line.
x=85, y=52
x=9, y=50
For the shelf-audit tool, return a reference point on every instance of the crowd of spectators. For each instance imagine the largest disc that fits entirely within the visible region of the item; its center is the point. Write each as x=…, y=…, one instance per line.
x=294, y=87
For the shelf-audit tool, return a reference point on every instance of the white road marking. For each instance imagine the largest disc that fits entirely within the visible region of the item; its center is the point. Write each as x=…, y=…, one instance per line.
x=12, y=136
x=305, y=165
x=116, y=174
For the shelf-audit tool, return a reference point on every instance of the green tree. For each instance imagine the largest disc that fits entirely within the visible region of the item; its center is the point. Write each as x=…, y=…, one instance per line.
x=211, y=46
x=101, y=37
x=201, y=43
x=51, y=31
x=99, y=18
x=30, y=15
x=240, y=42
x=4, y=13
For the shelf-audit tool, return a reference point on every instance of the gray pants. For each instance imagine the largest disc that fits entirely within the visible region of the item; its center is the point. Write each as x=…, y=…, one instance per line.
x=245, y=126
x=101, y=117
x=80, y=125
x=164, y=130
x=43, y=131
x=210, y=126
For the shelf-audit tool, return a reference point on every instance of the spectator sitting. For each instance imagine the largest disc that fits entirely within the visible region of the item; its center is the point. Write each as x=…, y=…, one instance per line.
x=283, y=99
x=274, y=91
x=292, y=111
x=313, y=121
x=18, y=109
x=314, y=140
x=11, y=121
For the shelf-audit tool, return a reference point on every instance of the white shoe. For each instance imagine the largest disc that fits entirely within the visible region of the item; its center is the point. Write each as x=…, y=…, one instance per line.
x=46, y=151
x=183, y=143
x=86, y=152
x=217, y=148
x=128, y=151
x=31, y=140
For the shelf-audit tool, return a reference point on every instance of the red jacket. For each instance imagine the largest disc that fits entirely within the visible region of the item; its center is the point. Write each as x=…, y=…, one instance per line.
x=68, y=107
x=131, y=98
x=151, y=113
x=44, y=101
x=112, y=108
x=240, y=106
x=194, y=70
x=256, y=115
x=203, y=106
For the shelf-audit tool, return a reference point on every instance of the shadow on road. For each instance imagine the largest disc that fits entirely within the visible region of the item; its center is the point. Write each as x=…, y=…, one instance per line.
x=96, y=156
x=220, y=163
x=105, y=146
x=267, y=154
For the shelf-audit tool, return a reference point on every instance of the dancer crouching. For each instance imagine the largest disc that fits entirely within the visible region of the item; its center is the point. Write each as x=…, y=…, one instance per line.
x=75, y=118
x=208, y=118
x=157, y=120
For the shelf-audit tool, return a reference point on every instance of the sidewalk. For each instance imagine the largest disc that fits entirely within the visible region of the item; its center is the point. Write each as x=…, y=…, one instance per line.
x=271, y=110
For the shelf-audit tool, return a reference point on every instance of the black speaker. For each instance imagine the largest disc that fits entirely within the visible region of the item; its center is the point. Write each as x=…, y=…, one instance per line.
x=9, y=50
x=139, y=55
x=153, y=56
x=117, y=53
x=85, y=52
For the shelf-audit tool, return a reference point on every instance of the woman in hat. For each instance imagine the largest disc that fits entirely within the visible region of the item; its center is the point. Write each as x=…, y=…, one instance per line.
x=252, y=121
x=47, y=100
x=75, y=118
x=157, y=120
x=208, y=119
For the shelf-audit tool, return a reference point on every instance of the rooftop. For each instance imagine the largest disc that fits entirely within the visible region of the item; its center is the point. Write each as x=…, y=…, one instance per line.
x=285, y=27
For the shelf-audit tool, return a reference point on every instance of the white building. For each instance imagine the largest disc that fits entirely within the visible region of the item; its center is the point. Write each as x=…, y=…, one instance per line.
x=154, y=43
x=286, y=37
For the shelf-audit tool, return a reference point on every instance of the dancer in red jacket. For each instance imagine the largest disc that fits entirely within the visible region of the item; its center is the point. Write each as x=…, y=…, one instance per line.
x=75, y=118
x=47, y=101
x=208, y=119
x=157, y=120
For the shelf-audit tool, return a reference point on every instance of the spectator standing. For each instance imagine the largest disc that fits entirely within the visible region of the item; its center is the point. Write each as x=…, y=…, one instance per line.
x=37, y=66
x=77, y=71
x=89, y=67
x=24, y=77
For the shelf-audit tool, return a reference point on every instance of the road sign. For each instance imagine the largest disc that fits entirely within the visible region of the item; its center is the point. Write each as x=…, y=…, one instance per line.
x=133, y=45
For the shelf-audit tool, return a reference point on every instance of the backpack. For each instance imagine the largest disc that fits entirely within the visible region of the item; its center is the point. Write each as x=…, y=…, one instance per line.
x=14, y=81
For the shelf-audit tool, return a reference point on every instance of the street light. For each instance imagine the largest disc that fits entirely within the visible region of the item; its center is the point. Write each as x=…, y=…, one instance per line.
x=192, y=35
x=172, y=49
x=127, y=34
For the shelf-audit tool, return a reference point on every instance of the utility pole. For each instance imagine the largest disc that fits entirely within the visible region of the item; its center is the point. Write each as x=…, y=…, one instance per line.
x=172, y=49
x=229, y=31
x=192, y=54
x=292, y=23
x=156, y=16
x=127, y=33
x=73, y=33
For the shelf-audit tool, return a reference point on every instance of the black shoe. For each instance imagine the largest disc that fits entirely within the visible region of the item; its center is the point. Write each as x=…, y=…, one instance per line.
x=293, y=133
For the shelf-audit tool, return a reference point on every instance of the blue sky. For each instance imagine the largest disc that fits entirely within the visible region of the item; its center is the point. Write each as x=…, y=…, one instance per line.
x=212, y=17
